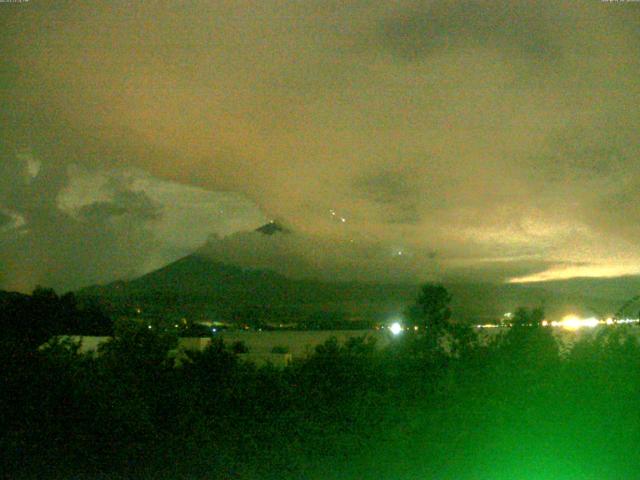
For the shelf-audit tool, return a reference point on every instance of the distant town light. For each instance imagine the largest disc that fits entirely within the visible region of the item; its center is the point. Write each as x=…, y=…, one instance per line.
x=590, y=322
x=395, y=328
x=573, y=322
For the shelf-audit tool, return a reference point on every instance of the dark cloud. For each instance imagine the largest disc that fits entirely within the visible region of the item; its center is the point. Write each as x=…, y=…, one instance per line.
x=397, y=191
x=137, y=205
x=72, y=225
x=571, y=157
x=520, y=28
x=617, y=213
x=55, y=248
x=5, y=219
x=388, y=187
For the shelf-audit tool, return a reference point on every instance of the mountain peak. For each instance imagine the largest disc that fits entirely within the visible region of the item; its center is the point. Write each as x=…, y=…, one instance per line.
x=271, y=228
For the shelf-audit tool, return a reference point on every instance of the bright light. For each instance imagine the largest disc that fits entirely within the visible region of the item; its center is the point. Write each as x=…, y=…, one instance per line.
x=570, y=322
x=627, y=320
x=573, y=322
x=395, y=328
x=590, y=322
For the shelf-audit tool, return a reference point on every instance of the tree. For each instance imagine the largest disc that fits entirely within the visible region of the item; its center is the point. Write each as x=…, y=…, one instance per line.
x=431, y=314
x=431, y=310
x=528, y=344
x=523, y=317
x=239, y=347
x=136, y=348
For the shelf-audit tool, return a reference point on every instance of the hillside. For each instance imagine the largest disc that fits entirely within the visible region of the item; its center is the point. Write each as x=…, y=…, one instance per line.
x=198, y=286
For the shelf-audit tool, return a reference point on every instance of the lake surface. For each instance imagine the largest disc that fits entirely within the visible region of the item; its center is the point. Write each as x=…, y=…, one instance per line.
x=301, y=343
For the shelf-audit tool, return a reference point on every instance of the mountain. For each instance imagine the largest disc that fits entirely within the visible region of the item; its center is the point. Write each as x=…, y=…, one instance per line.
x=272, y=228
x=198, y=286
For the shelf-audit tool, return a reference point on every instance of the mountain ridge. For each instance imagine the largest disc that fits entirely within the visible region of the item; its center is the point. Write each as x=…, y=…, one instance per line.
x=198, y=285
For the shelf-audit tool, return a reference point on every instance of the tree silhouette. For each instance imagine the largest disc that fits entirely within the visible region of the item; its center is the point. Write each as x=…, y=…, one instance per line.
x=528, y=344
x=431, y=310
x=523, y=317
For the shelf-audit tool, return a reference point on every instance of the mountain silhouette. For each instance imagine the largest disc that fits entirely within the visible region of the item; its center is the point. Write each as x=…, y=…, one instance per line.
x=199, y=285
x=272, y=228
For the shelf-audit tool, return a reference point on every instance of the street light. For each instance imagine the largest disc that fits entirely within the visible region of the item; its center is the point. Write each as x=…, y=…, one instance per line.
x=395, y=328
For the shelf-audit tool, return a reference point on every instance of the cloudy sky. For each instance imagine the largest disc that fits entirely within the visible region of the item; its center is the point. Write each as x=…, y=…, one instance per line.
x=493, y=140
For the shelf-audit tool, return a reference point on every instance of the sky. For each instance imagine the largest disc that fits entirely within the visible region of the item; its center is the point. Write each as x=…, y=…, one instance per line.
x=401, y=140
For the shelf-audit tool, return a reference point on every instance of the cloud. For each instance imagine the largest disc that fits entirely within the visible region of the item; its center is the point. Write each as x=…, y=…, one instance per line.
x=398, y=193
x=558, y=272
x=300, y=255
x=305, y=256
x=11, y=221
x=53, y=247
x=520, y=28
x=96, y=225
x=478, y=130
x=5, y=220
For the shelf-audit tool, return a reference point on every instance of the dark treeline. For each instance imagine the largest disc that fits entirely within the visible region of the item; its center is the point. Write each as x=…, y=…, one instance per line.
x=443, y=404
x=27, y=321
